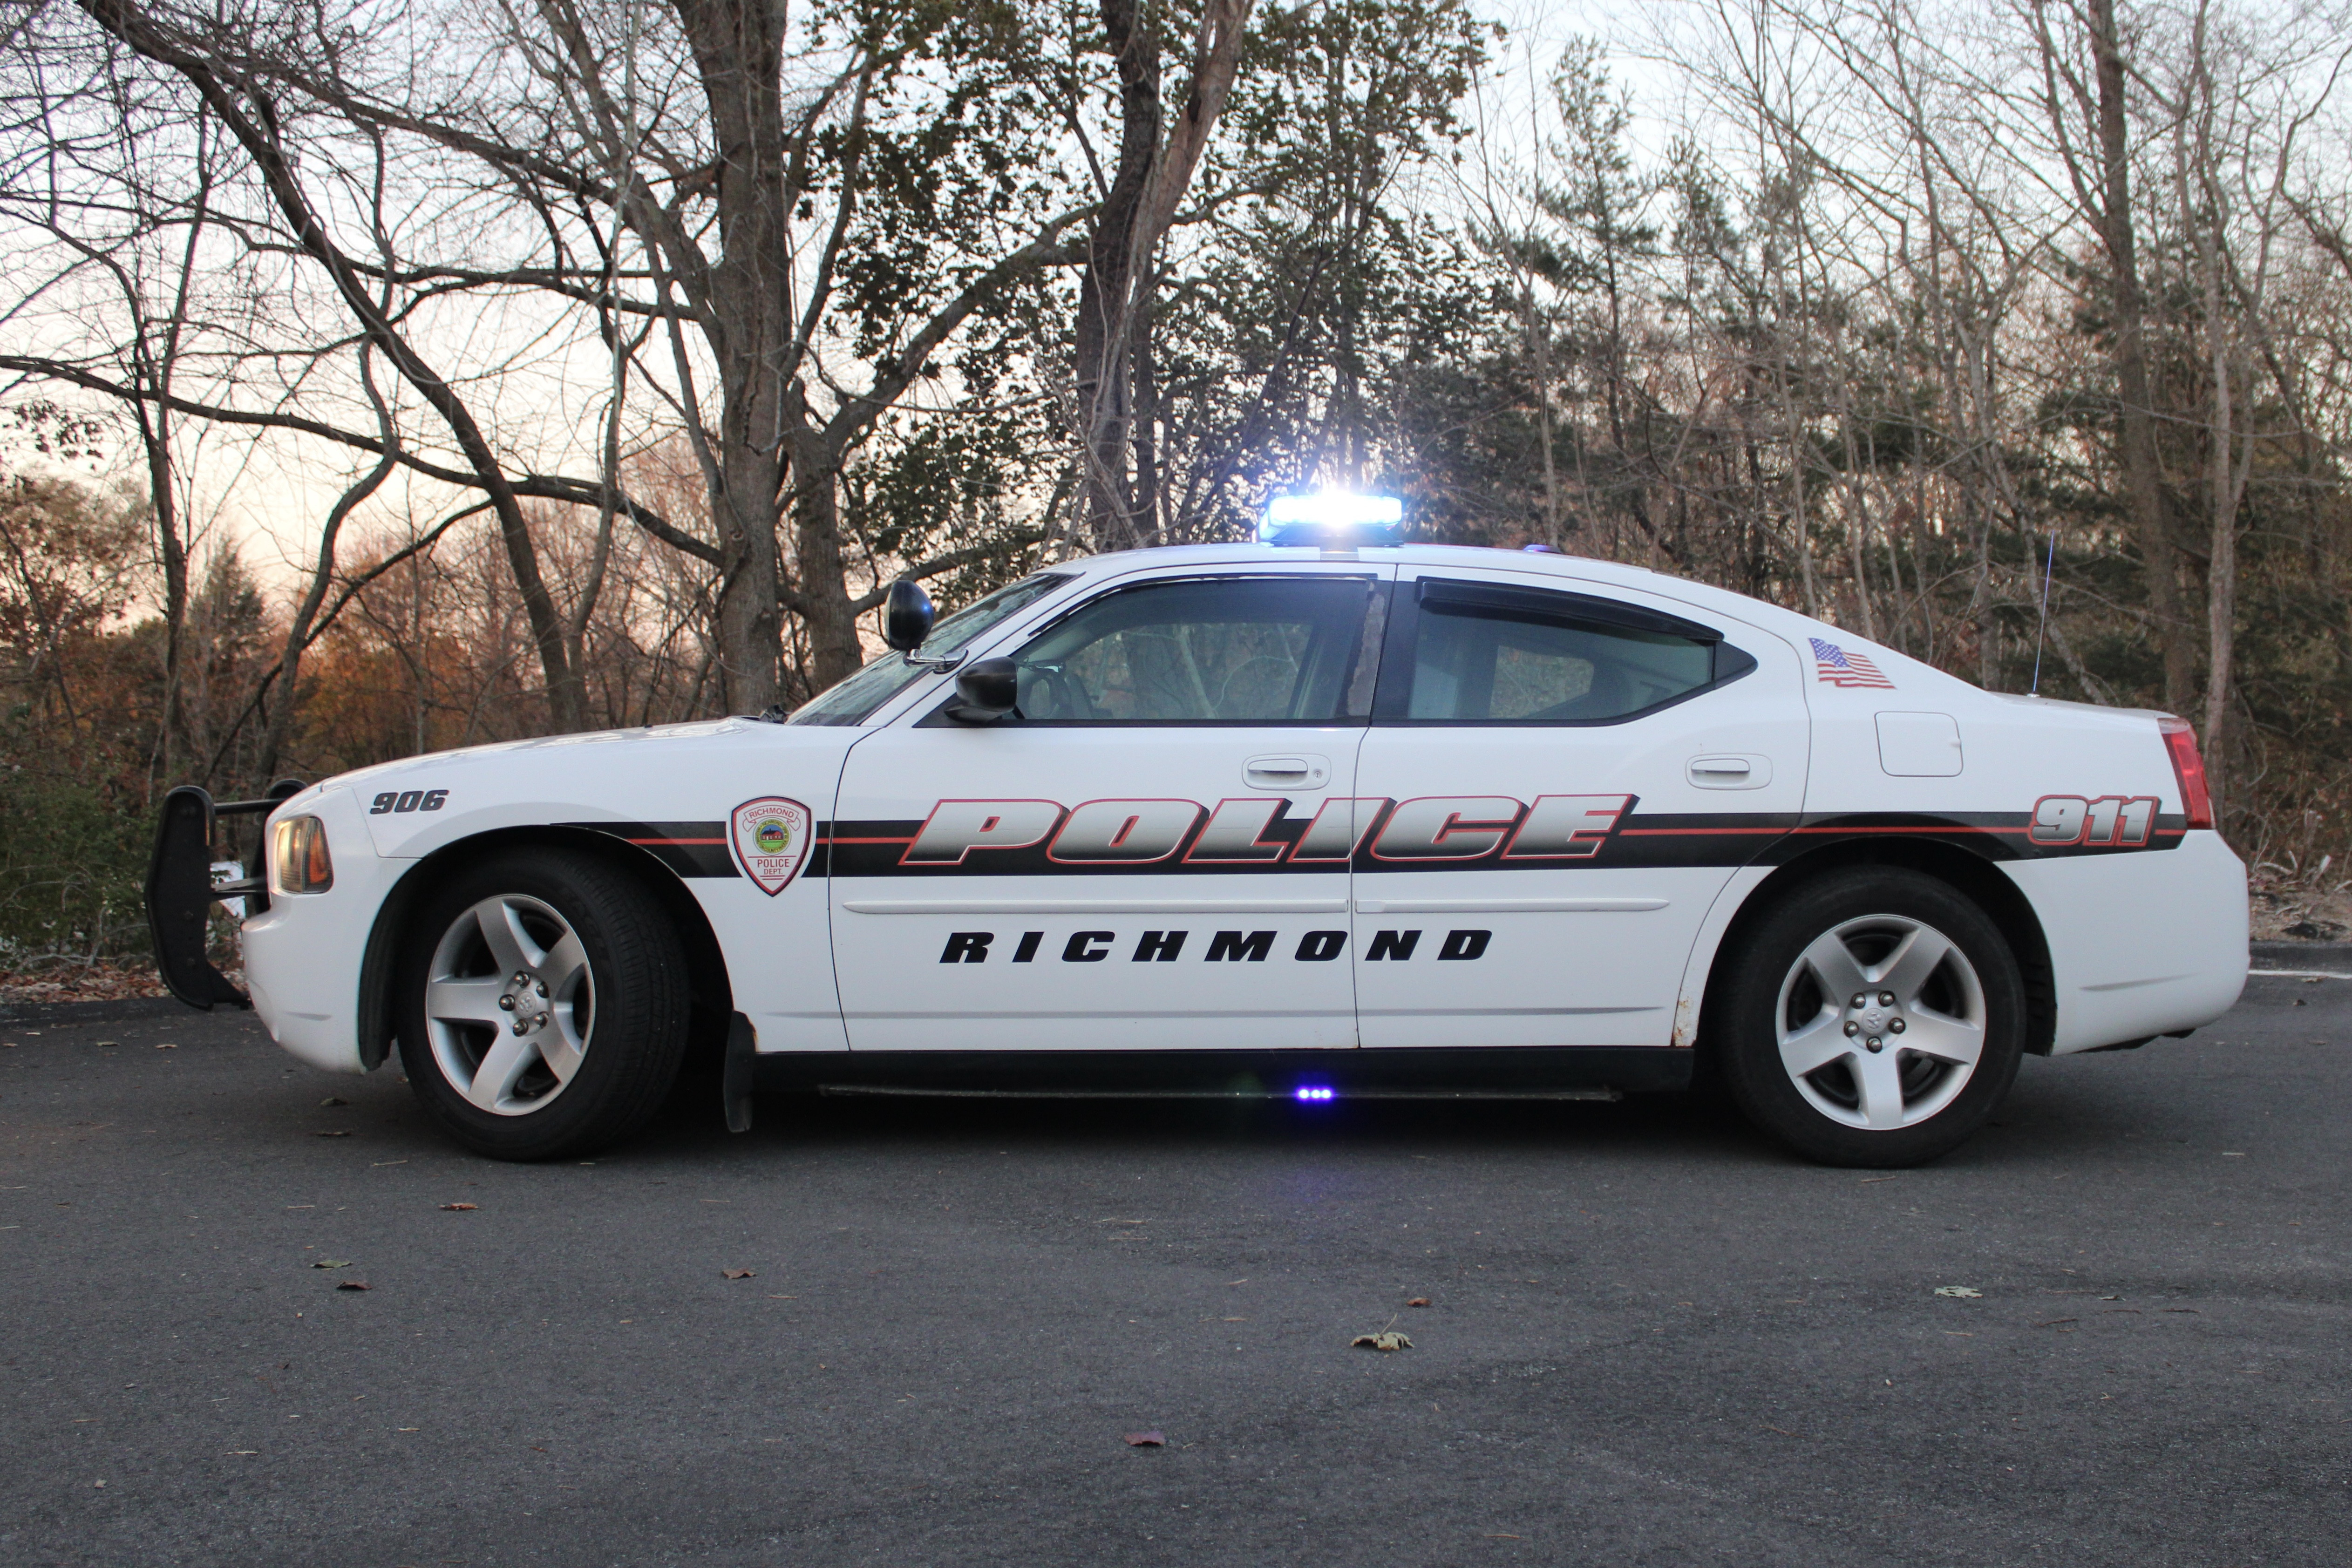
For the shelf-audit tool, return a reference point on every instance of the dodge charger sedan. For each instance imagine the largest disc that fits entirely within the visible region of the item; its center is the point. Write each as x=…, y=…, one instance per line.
x=1316, y=819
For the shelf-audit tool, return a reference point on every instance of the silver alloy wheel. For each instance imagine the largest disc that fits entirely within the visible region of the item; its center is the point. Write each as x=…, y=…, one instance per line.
x=1881, y=1022
x=509, y=1004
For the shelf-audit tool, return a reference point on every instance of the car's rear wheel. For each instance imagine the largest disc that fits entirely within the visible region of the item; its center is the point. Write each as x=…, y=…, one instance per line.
x=544, y=1010
x=1875, y=1016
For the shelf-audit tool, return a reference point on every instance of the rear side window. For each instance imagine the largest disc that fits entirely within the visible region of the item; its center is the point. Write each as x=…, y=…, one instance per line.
x=1482, y=653
x=1263, y=650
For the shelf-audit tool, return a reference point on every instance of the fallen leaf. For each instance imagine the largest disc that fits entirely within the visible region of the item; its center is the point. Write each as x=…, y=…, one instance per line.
x=352, y=1285
x=331, y=1263
x=1417, y=1301
x=166, y=1045
x=460, y=1208
x=1146, y=1440
x=737, y=1273
x=1387, y=1340
x=338, y=1133
x=334, y=1099
x=2053, y=1323
x=243, y=1453
x=1966, y=1293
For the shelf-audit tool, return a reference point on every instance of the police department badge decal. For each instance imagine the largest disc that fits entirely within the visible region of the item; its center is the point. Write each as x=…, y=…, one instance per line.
x=770, y=837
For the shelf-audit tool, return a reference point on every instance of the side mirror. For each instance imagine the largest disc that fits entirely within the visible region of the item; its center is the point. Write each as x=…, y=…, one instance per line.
x=986, y=691
x=906, y=616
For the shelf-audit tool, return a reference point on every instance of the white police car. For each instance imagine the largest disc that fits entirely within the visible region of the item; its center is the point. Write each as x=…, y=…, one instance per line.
x=1322, y=817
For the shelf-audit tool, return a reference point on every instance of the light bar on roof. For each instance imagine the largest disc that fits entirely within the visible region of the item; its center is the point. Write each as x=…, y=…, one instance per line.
x=1332, y=517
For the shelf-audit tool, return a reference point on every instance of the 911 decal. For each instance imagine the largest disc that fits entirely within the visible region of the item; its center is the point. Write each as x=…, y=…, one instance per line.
x=2107, y=821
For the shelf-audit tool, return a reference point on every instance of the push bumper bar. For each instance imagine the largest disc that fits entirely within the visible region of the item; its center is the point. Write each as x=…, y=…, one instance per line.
x=180, y=891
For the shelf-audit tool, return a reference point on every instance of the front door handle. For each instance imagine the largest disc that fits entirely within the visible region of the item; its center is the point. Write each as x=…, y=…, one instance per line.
x=1286, y=772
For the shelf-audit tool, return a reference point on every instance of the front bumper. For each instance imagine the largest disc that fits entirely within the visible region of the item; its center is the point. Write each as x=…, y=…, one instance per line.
x=303, y=955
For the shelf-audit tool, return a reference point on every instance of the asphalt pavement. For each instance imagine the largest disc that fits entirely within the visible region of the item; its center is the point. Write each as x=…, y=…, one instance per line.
x=2111, y=1329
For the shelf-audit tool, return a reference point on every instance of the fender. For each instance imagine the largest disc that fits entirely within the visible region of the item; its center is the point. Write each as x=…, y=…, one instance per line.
x=706, y=961
x=1963, y=861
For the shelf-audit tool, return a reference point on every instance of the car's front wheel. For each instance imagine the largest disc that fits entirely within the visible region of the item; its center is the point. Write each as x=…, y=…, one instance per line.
x=1874, y=1017
x=543, y=1008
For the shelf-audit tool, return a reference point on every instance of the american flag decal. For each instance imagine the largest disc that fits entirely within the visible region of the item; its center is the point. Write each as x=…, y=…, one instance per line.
x=1839, y=668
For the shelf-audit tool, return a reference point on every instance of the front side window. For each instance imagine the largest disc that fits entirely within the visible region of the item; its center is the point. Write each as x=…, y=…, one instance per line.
x=1481, y=654
x=1263, y=650
x=850, y=700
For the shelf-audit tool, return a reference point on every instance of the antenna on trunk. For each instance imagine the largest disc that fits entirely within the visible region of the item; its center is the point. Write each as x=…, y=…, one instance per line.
x=2042, y=625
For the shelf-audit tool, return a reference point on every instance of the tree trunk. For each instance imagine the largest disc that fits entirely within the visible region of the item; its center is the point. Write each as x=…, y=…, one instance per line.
x=1101, y=383
x=738, y=54
x=2136, y=451
x=1147, y=181
x=834, y=650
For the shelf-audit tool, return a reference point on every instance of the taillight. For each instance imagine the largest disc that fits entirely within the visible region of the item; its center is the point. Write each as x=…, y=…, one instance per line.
x=2188, y=769
x=299, y=862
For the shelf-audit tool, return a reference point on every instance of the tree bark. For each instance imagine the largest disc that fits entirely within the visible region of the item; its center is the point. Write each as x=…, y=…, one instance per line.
x=1137, y=210
x=1102, y=384
x=738, y=54
x=2136, y=450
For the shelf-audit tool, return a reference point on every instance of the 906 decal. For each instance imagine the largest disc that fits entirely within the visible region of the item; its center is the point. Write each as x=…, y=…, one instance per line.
x=2118, y=821
x=406, y=800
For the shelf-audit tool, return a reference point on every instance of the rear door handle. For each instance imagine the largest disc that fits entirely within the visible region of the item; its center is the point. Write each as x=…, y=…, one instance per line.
x=1725, y=772
x=1286, y=772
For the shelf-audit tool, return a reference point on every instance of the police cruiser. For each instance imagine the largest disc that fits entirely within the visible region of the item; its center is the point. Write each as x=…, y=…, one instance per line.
x=1319, y=818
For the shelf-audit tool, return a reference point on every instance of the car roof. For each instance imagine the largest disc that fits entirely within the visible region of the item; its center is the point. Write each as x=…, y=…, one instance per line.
x=1551, y=564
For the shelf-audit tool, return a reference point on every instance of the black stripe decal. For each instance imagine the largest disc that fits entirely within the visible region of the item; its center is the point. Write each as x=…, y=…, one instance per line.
x=873, y=848
x=689, y=849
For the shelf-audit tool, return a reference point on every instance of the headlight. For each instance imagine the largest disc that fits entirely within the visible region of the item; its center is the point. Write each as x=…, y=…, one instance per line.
x=299, y=862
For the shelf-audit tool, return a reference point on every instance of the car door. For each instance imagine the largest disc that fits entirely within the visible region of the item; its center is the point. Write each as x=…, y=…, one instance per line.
x=1571, y=774
x=1151, y=852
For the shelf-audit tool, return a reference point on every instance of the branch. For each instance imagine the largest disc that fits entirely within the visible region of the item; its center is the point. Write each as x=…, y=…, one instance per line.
x=535, y=487
x=860, y=410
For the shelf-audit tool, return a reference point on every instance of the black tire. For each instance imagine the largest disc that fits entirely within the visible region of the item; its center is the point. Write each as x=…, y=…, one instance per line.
x=606, y=996
x=1878, y=1101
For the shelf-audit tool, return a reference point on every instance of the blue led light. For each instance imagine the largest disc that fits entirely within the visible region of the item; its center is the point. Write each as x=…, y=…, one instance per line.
x=1332, y=517
x=1315, y=1092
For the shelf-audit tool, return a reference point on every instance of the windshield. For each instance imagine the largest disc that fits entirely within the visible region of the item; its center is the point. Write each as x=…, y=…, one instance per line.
x=889, y=674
